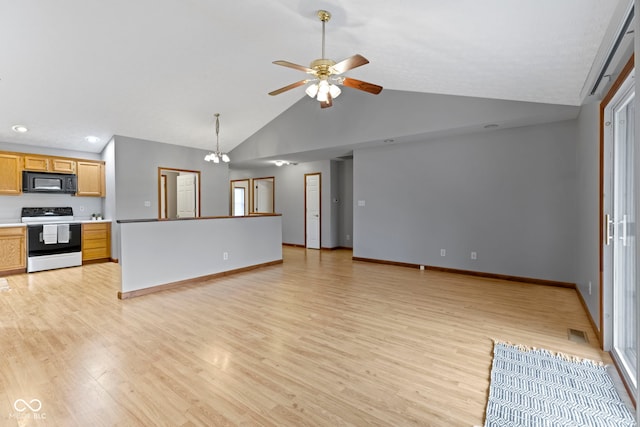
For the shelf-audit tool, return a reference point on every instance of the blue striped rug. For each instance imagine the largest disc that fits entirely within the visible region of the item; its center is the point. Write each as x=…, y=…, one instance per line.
x=537, y=388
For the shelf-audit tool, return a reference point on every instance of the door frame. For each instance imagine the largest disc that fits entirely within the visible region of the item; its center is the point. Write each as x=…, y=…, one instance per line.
x=319, y=174
x=603, y=104
x=197, y=189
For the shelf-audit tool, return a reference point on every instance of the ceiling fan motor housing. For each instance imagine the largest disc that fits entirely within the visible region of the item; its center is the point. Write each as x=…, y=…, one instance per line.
x=322, y=67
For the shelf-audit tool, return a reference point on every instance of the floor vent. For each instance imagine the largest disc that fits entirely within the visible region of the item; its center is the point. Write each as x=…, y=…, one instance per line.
x=578, y=336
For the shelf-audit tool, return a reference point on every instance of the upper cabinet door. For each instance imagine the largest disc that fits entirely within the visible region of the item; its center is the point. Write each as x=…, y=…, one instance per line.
x=63, y=165
x=10, y=174
x=36, y=163
x=90, y=179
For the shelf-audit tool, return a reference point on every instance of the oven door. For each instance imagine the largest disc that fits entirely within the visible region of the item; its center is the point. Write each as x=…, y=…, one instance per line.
x=37, y=246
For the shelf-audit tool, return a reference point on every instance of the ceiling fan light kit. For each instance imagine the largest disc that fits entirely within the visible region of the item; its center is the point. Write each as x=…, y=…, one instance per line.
x=216, y=156
x=327, y=79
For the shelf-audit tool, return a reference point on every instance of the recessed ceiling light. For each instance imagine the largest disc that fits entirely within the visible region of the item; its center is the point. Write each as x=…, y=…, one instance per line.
x=388, y=141
x=92, y=139
x=19, y=128
x=491, y=126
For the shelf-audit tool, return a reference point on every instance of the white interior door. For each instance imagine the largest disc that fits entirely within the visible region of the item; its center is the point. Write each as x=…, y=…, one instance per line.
x=312, y=208
x=619, y=275
x=263, y=195
x=186, y=198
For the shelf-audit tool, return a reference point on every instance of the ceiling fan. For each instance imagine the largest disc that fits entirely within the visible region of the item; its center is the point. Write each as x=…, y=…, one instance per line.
x=326, y=74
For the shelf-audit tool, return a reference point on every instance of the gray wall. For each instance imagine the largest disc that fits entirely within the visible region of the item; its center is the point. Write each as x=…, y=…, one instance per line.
x=108, y=155
x=136, y=177
x=345, y=203
x=509, y=195
x=588, y=206
x=335, y=204
x=172, y=196
x=289, y=199
x=83, y=207
x=238, y=243
x=361, y=118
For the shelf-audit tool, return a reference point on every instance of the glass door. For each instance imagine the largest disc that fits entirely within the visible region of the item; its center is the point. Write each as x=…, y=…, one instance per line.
x=620, y=219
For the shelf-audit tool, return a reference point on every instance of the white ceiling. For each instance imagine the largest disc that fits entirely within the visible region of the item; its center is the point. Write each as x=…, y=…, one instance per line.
x=160, y=69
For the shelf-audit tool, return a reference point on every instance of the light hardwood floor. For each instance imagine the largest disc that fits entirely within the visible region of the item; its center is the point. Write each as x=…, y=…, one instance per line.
x=319, y=340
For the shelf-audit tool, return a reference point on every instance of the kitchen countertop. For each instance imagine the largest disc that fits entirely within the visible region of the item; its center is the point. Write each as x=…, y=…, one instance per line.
x=128, y=221
x=17, y=223
x=11, y=224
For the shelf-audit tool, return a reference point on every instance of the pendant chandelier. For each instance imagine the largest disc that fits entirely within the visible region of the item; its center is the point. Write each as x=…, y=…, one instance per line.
x=217, y=155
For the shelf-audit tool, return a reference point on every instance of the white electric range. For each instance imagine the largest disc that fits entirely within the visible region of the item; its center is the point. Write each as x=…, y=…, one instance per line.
x=54, y=240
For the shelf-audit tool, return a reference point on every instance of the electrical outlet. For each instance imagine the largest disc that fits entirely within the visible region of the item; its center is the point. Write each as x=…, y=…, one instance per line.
x=474, y=255
x=225, y=255
x=361, y=203
x=147, y=204
x=348, y=237
x=422, y=268
x=443, y=252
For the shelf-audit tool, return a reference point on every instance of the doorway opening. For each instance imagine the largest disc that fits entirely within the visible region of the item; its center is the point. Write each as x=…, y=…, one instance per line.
x=178, y=193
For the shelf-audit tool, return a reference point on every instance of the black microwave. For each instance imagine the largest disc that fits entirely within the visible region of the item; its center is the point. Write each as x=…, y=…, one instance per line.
x=48, y=182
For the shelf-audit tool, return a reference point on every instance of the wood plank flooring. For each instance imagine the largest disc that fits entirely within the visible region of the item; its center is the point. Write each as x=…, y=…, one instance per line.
x=319, y=340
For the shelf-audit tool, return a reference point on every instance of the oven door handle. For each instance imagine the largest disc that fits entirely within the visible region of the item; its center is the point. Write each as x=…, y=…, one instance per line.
x=41, y=239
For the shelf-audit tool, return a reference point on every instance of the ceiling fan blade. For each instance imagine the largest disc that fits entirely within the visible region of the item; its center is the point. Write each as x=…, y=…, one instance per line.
x=360, y=85
x=328, y=103
x=294, y=66
x=349, y=64
x=289, y=87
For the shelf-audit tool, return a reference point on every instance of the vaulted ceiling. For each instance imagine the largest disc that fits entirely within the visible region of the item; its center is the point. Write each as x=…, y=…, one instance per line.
x=159, y=69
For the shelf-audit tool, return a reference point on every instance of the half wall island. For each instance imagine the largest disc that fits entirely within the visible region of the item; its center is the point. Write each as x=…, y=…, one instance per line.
x=158, y=254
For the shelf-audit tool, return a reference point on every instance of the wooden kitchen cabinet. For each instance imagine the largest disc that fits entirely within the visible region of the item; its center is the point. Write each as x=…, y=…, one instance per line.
x=90, y=173
x=96, y=241
x=13, y=256
x=49, y=164
x=91, y=180
x=10, y=174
